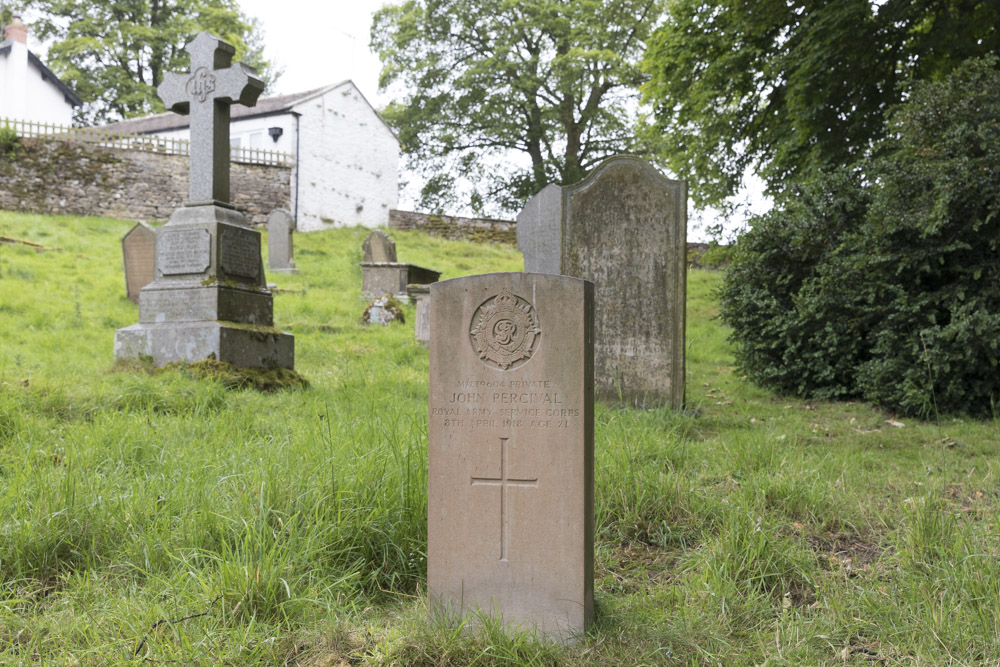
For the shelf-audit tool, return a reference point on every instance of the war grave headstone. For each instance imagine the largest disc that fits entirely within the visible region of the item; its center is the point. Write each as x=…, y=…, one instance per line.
x=511, y=450
x=381, y=273
x=421, y=296
x=280, y=225
x=138, y=255
x=624, y=227
x=208, y=298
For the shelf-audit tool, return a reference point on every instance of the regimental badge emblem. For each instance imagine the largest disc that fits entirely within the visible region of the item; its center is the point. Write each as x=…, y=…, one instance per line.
x=201, y=85
x=505, y=331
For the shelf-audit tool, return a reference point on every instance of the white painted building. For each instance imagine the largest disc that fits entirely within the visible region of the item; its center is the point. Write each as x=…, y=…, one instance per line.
x=347, y=159
x=28, y=90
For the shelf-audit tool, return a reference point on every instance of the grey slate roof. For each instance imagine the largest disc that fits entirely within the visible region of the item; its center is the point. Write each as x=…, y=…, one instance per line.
x=47, y=74
x=267, y=106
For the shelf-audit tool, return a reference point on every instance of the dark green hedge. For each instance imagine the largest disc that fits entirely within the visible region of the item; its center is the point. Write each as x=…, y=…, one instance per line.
x=882, y=280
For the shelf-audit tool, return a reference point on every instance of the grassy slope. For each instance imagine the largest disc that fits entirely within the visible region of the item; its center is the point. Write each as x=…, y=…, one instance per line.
x=753, y=527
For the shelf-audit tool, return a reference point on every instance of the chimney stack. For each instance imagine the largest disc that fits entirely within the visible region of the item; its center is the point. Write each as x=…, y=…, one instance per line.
x=16, y=31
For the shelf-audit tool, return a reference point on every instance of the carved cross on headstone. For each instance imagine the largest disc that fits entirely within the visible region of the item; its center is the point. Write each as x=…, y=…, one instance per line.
x=206, y=92
x=503, y=481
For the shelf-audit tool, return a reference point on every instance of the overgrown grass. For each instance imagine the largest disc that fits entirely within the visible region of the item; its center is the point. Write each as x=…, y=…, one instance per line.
x=177, y=517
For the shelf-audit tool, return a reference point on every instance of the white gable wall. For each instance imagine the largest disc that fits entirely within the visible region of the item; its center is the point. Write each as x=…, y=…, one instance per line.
x=348, y=162
x=13, y=81
x=25, y=95
x=45, y=102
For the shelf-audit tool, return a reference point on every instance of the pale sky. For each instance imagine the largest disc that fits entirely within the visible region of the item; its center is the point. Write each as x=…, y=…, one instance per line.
x=319, y=42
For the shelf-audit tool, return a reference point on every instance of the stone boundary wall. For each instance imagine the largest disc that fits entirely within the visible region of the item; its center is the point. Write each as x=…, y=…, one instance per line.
x=73, y=178
x=480, y=230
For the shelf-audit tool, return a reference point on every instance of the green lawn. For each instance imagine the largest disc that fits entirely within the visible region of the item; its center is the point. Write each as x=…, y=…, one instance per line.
x=150, y=518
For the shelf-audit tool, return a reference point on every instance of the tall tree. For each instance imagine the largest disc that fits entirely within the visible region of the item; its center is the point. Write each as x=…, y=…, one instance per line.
x=114, y=53
x=790, y=87
x=475, y=82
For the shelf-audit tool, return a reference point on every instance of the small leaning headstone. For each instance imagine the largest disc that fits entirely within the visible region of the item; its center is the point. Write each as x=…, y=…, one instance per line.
x=511, y=451
x=624, y=227
x=378, y=247
x=280, y=224
x=138, y=255
x=382, y=274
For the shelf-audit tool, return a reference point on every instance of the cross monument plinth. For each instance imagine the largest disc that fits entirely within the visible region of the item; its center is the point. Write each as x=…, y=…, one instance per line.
x=208, y=298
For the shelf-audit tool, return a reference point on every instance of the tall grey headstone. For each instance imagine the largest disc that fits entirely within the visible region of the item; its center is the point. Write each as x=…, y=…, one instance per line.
x=624, y=227
x=279, y=241
x=511, y=450
x=208, y=298
x=378, y=247
x=138, y=255
x=540, y=241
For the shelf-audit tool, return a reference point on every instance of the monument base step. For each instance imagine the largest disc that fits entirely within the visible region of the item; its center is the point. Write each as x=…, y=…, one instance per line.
x=245, y=346
x=188, y=301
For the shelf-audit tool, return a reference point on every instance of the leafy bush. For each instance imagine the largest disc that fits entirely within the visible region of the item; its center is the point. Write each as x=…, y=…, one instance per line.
x=9, y=141
x=882, y=280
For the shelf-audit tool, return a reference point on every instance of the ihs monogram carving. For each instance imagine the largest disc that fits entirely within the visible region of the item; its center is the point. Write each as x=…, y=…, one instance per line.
x=201, y=85
x=505, y=330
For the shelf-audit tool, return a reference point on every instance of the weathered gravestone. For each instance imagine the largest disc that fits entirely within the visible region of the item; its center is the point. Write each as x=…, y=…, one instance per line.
x=378, y=247
x=382, y=274
x=624, y=227
x=279, y=241
x=208, y=299
x=511, y=450
x=138, y=254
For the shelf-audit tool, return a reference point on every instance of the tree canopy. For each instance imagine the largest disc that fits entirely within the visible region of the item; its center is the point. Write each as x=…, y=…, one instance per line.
x=114, y=54
x=554, y=82
x=791, y=87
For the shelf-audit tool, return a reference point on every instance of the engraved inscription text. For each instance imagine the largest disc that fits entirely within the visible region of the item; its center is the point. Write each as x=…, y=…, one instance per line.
x=183, y=251
x=241, y=253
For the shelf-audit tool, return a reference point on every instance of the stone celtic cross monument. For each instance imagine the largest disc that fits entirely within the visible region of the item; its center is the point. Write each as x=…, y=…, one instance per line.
x=510, y=526
x=208, y=298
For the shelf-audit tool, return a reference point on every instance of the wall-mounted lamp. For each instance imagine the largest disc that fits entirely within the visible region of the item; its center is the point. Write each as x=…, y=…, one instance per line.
x=275, y=133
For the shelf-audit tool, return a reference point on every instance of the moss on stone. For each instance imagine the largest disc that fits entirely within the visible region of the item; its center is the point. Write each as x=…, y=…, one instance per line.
x=268, y=380
x=460, y=229
x=257, y=331
x=389, y=304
